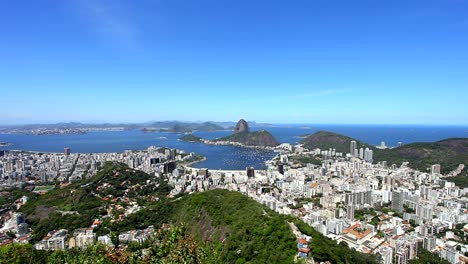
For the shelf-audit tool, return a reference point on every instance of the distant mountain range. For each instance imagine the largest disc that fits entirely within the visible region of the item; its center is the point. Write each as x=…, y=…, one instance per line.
x=449, y=153
x=170, y=124
x=185, y=127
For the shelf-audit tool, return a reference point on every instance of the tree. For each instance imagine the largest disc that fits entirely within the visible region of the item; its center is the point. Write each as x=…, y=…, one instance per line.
x=11, y=234
x=114, y=238
x=426, y=257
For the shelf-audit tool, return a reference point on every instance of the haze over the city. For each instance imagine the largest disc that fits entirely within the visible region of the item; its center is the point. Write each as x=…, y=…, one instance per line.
x=368, y=62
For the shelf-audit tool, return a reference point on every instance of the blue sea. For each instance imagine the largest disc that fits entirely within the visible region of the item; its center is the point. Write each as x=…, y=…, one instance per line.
x=226, y=157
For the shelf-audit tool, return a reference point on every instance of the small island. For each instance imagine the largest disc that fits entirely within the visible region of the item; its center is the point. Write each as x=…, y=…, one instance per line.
x=191, y=138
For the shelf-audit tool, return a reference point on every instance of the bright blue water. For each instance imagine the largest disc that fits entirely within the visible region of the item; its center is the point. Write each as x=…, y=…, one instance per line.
x=225, y=157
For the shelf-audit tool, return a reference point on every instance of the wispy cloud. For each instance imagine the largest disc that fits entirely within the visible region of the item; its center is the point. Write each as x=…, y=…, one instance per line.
x=111, y=18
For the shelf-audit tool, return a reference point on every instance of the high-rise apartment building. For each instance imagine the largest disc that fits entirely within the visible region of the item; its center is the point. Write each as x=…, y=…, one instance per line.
x=353, y=147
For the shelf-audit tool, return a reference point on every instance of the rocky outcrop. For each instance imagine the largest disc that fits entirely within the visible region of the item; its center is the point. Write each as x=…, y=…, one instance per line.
x=242, y=136
x=241, y=126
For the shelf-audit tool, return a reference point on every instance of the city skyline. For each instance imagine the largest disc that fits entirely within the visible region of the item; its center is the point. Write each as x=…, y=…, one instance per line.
x=321, y=62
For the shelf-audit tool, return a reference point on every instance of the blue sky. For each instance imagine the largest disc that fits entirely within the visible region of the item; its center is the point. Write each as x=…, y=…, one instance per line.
x=320, y=61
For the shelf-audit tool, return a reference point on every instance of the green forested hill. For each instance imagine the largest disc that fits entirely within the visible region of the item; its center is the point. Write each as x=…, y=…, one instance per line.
x=449, y=152
x=246, y=229
x=260, y=138
x=238, y=228
x=325, y=140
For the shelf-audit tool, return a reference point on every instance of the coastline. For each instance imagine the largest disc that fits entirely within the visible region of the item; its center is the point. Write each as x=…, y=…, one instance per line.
x=188, y=165
x=237, y=144
x=227, y=143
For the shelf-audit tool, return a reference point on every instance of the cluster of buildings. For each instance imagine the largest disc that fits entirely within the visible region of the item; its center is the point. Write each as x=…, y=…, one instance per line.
x=138, y=236
x=14, y=228
x=18, y=168
x=84, y=237
x=391, y=211
x=364, y=154
x=55, y=130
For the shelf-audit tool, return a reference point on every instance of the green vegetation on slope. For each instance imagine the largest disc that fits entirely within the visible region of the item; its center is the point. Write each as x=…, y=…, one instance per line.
x=261, y=138
x=78, y=204
x=426, y=257
x=8, y=197
x=250, y=231
x=325, y=140
x=303, y=160
x=460, y=180
x=449, y=153
x=237, y=227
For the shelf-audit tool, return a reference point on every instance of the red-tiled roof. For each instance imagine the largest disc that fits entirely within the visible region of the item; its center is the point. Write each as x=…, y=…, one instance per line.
x=302, y=241
x=353, y=230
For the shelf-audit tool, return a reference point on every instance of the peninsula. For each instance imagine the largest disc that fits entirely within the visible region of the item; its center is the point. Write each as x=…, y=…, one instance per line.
x=243, y=136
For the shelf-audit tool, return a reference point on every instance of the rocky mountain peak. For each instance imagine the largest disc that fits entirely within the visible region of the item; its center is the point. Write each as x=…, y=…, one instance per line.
x=241, y=126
